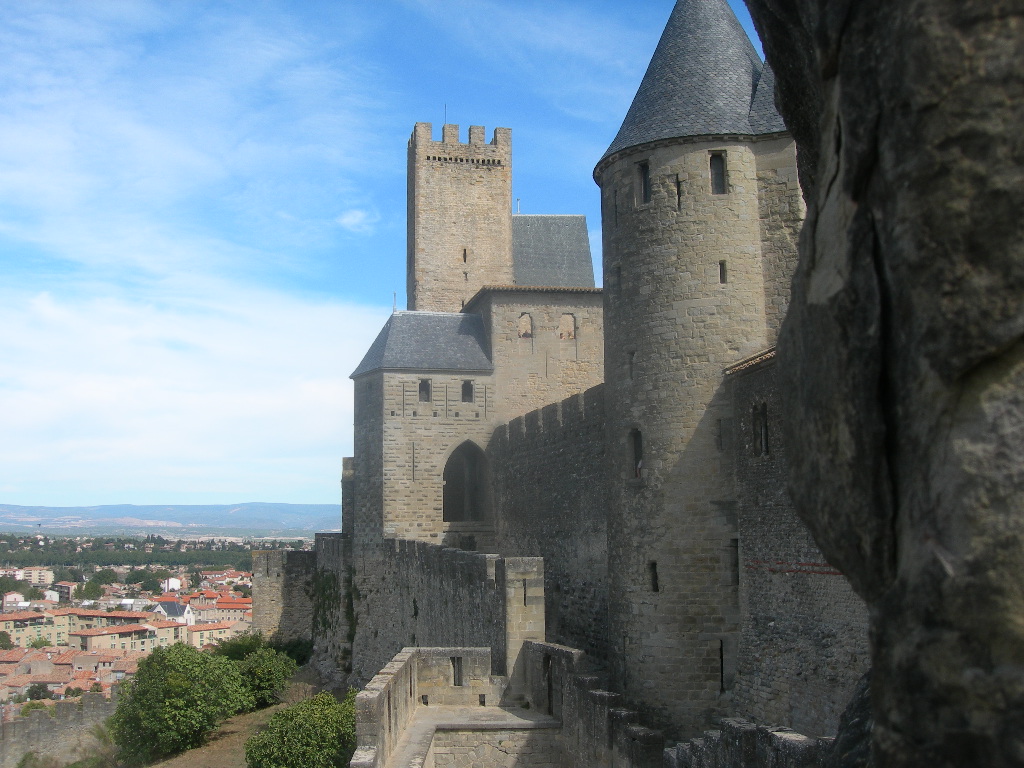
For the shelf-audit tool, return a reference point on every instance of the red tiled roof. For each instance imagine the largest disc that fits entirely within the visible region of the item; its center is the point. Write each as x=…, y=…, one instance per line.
x=21, y=616
x=124, y=629
x=214, y=625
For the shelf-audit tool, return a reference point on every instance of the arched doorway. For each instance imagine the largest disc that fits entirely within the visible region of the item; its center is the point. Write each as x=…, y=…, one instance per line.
x=466, y=489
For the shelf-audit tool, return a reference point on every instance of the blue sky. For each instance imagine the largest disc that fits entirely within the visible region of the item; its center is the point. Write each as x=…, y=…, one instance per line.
x=202, y=216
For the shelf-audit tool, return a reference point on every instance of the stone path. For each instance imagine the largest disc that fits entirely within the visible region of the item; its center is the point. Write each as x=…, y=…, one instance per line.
x=413, y=746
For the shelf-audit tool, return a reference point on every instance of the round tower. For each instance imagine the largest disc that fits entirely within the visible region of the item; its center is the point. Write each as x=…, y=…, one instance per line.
x=685, y=294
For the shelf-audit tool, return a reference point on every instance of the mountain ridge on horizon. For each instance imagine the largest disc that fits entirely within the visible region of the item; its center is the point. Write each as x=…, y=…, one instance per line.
x=252, y=517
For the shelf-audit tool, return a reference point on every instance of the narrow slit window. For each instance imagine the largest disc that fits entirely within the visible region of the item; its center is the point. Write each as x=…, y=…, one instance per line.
x=734, y=562
x=723, y=273
x=632, y=362
x=644, y=171
x=457, y=671
x=721, y=666
x=719, y=182
x=424, y=390
x=679, y=193
x=465, y=255
x=652, y=572
x=467, y=391
x=759, y=419
x=637, y=444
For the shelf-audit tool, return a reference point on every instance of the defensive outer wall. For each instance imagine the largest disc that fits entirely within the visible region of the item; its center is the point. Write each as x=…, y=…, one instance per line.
x=801, y=640
x=63, y=733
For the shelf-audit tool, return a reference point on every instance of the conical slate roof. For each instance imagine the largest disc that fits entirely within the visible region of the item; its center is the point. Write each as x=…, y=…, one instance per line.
x=702, y=80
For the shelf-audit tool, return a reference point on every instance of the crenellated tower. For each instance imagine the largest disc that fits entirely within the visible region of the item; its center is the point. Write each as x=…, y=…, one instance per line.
x=459, y=216
x=699, y=195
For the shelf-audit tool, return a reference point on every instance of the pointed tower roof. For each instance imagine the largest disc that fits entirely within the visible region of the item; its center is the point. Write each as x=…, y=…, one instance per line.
x=702, y=80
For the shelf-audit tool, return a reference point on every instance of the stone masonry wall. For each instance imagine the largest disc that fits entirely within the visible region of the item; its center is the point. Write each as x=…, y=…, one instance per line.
x=410, y=593
x=803, y=643
x=419, y=437
x=781, y=208
x=495, y=748
x=368, y=459
x=550, y=490
x=282, y=590
x=332, y=639
x=460, y=216
x=62, y=737
x=545, y=344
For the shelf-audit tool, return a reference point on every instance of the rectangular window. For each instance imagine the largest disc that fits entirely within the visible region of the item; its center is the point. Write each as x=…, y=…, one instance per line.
x=644, y=169
x=424, y=390
x=719, y=183
x=456, y=670
x=467, y=391
x=723, y=273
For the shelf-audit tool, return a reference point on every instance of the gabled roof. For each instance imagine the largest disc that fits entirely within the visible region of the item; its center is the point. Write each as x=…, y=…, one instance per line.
x=551, y=251
x=429, y=341
x=704, y=79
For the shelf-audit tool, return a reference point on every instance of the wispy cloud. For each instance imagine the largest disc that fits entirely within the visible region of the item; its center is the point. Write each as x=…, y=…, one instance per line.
x=359, y=221
x=227, y=392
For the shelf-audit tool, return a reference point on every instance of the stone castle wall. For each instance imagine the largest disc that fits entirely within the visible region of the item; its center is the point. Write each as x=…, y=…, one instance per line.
x=460, y=216
x=560, y=354
x=411, y=593
x=803, y=643
x=282, y=587
x=550, y=487
x=63, y=737
x=419, y=437
x=332, y=607
x=781, y=208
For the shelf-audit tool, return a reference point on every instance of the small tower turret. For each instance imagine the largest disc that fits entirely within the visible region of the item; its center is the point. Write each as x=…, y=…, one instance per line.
x=685, y=296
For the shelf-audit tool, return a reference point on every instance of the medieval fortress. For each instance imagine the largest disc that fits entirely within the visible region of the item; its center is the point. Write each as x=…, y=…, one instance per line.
x=567, y=538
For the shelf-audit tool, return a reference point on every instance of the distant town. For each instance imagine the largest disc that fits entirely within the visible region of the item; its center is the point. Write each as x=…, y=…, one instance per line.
x=79, y=612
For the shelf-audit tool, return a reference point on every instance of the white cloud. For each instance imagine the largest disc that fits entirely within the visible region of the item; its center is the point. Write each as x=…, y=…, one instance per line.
x=358, y=220
x=244, y=395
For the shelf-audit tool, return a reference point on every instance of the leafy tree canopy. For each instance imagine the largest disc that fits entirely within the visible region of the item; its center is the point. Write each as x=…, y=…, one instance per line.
x=266, y=672
x=38, y=691
x=317, y=733
x=5, y=641
x=105, y=576
x=90, y=590
x=238, y=647
x=178, y=696
x=39, y=642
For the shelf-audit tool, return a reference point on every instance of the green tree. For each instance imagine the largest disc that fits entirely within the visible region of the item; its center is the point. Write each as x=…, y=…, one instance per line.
x=317, y=733
x=38, y=691
x=39, y=642
x=5, y=641
x=34, y=593
x=105, y=576
x=178, y=696
x=266, y=672
x=149, y=585
x=238, y=647
x=90, y=590
x=96, y=688
x=73, y=691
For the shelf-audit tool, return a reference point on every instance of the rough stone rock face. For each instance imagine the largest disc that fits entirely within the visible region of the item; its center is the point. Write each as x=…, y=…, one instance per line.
x=903, y=349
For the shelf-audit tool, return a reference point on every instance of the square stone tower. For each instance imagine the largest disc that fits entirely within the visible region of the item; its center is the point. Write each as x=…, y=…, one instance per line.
x=460, y=216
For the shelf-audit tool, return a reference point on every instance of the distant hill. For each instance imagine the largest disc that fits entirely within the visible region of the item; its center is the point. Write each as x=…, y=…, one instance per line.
x=252, y=518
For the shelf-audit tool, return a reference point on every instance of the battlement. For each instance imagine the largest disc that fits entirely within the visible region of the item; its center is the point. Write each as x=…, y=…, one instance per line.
x=423, y=137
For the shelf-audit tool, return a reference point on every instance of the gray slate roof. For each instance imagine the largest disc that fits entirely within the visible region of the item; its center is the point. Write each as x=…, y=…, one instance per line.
x=702, y=80
x=551, y=251
x=428, y=341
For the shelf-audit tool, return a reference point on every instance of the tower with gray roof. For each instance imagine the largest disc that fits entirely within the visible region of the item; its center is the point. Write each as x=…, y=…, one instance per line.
x=503, y=318
x=701, y=207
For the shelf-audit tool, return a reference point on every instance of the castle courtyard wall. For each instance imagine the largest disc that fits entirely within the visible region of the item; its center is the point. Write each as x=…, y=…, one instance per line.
x=282, y=606
x=803, y=640
x=331, y=618
x=411, y=593
x=550, y=493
